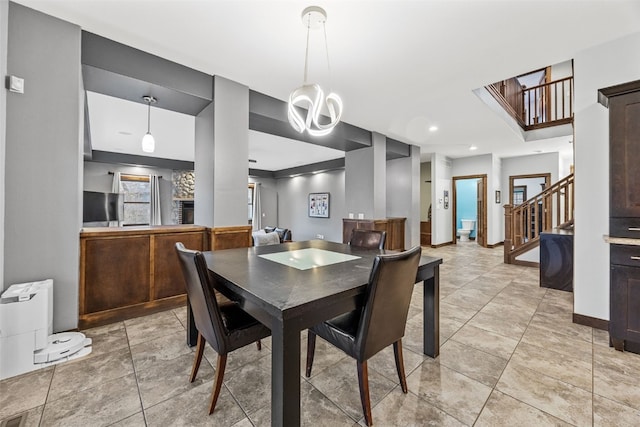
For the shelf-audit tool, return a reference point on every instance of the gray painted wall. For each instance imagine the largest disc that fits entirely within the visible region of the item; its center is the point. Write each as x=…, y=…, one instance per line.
x=203, y=167
x=4, y=23
x=365, y=180
x=268, y=200
x=97, y=178
x=403, y=195
x=293, y=195
x=43, y=158
x=231, y=157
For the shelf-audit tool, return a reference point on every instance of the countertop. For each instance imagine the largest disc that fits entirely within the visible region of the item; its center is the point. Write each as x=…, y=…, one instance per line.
x=621, y=240
x=139, y=230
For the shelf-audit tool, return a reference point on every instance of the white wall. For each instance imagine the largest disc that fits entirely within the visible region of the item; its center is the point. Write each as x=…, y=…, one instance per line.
x=529, y=165
x=97, y=178
x=441, y=219
x=496, y=211
x=293, y=195
x=4, y=28
x=609, y=64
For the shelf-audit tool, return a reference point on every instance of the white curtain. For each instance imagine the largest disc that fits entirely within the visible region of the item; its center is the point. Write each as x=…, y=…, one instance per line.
x=257, y=207
x=115, y=188
x=155, y=217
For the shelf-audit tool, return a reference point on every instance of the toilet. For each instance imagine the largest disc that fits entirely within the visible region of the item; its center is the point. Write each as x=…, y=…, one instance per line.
x=467, y=227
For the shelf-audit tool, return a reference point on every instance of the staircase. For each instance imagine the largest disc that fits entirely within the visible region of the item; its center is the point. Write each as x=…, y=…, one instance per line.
x=551, y=208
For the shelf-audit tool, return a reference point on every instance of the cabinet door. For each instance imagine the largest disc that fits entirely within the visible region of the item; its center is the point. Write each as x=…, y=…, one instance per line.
x=624, y=323
x=624, y=133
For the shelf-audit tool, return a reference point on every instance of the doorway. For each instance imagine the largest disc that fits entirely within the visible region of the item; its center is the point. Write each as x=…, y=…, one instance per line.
x=474, y=204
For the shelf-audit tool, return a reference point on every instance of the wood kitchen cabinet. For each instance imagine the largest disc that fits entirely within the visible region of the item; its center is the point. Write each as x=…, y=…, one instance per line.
x=623, y=102
x=393, y=226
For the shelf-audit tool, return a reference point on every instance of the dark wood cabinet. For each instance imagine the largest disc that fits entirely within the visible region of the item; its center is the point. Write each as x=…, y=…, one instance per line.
x=132, y=271
x=623, y=102
x=393, y=226
x=425, y=233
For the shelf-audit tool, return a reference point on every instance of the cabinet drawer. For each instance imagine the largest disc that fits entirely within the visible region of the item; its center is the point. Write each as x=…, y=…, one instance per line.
x=625, y=255
x=624, y=227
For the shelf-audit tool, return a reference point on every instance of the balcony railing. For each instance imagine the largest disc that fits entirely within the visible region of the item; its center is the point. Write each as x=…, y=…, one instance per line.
x=548, y=104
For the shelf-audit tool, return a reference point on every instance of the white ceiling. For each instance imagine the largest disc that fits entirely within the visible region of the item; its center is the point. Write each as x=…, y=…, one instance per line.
x=400, y=66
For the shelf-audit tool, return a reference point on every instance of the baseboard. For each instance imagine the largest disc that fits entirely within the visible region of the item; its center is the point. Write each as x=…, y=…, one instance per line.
x=439, y=245
x=495, y=245
x=593, y=322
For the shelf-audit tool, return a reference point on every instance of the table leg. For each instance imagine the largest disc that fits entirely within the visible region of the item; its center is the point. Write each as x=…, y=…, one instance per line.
x=285, y=375
x=431, y=314
x=192, y=331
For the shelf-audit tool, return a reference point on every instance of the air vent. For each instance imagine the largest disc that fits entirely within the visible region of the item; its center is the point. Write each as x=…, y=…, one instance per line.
x=15, y=421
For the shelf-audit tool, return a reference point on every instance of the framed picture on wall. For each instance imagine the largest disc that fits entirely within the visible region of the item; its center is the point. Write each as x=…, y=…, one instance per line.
x=319, y=205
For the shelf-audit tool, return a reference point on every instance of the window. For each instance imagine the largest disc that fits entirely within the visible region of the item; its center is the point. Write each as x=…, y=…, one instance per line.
x=137, y=199
x=250, y=197
x=519, y=194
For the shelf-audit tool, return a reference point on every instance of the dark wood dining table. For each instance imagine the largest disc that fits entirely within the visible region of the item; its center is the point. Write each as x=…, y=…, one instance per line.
x=289, y=300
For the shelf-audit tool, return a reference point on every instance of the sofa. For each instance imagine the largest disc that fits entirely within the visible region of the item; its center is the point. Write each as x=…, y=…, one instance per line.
x=271, y=236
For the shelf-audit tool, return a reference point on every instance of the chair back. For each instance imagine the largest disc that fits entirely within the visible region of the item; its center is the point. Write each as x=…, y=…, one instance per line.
x=369, y=239
x=202, y=298
x=387, y=300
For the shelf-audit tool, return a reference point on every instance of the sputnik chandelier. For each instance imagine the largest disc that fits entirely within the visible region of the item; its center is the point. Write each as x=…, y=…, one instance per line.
x=311, y=96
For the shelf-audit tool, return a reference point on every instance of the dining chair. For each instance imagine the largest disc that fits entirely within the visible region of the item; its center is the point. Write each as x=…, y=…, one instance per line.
x=379, y=323
x=370, y=239
x=225, y=326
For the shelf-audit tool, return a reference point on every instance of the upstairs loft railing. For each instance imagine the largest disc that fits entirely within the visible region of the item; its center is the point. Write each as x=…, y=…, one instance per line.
x=548, y=104
x=523, y=223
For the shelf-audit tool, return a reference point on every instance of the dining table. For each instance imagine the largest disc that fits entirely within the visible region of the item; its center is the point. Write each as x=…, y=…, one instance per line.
x=292, y=286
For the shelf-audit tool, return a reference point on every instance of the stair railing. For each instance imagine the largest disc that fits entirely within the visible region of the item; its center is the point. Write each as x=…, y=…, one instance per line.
x=548, y=104
x=553, y=207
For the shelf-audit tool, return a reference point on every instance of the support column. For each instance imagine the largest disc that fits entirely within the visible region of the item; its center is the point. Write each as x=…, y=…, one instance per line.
x=366, y=180
x=221, y=165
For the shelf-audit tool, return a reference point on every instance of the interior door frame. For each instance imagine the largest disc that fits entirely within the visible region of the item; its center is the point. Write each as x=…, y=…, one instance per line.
x=547, y=182
x=454, y=211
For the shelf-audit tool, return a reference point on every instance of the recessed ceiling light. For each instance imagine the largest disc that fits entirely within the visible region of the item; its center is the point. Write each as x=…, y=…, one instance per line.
x=433, y=128
x=473, y=147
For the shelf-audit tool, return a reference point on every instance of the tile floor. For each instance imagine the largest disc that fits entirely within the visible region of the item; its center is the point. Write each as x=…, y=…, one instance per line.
x=510, y=355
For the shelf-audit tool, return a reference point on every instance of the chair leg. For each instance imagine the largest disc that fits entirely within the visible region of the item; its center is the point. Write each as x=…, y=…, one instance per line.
x=259, y=345
x=198, y=357
x=311, y=349
x=217, y=382
x=397, y=350
x=363, y=382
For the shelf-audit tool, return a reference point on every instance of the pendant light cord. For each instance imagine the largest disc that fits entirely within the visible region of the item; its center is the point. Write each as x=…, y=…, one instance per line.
x=149, y=116
x=306, y=53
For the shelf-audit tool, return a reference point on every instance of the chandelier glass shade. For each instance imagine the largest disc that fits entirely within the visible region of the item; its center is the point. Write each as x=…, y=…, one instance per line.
x=310, y=96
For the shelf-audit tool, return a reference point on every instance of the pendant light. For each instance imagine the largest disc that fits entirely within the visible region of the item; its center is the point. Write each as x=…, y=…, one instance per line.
x=148, y=142
x=311, y=96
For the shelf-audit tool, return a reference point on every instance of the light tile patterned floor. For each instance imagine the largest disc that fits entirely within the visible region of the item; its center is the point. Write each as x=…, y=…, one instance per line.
x=509, y=356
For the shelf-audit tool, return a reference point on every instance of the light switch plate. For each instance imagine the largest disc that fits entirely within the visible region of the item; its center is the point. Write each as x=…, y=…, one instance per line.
x=16, y=84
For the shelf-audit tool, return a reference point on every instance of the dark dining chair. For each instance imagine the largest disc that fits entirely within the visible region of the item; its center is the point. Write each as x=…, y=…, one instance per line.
x=370, y=239
x=379, y=323
x=224, y=325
